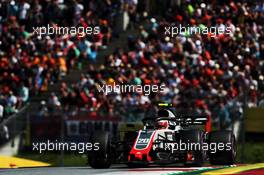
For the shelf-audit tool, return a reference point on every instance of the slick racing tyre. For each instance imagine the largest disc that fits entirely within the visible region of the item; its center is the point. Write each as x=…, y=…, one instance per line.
x=198, y=154
x=224, y=156
x=100, y=158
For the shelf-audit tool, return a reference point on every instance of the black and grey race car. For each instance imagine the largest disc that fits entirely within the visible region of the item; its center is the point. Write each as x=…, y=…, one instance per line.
x=165, y=139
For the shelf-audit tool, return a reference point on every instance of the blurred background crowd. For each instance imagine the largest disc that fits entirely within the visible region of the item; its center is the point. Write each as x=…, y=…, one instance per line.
x=30, y=63
x=214, y=75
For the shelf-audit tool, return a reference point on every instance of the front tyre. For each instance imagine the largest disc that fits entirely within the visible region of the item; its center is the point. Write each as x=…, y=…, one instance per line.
x=100, y=158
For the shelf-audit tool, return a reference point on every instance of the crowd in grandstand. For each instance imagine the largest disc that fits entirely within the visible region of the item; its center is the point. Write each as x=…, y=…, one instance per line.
x=217, y=75
x=29, y=62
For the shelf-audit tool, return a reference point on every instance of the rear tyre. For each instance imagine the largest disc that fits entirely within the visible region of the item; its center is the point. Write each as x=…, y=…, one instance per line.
x=100, y=158
x=198, y=154
x=224, y=156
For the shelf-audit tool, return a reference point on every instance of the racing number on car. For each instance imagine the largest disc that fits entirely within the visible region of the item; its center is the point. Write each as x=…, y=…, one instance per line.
x=143, y=141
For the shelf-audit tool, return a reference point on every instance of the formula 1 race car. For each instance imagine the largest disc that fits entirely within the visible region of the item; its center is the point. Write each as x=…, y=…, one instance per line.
x=165, y=139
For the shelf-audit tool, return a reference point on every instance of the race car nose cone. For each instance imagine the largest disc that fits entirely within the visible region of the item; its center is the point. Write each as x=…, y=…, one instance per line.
x=138, y=155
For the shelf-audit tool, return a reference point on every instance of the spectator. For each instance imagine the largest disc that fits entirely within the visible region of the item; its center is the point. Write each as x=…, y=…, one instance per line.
x=53, y=102
x=24, y=93
x=1, y=112
x=224, y=116
x=11, y=103
x=43, y=109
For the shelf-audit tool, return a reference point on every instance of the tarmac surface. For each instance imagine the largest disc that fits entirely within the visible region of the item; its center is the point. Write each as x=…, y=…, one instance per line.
x=242, y=169
x=116, y=170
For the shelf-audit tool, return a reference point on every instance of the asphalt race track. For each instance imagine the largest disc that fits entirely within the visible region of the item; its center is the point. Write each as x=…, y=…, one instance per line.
x=240, y=169
x=115, y=170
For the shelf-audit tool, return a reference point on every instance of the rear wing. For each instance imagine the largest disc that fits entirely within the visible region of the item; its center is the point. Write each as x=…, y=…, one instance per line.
x=195, y=120
x=186, y=120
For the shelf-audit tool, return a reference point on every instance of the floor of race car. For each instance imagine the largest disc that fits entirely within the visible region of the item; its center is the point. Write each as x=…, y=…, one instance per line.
x=153, y=170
